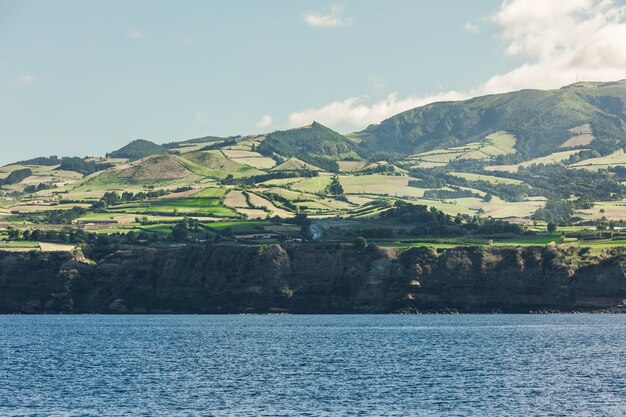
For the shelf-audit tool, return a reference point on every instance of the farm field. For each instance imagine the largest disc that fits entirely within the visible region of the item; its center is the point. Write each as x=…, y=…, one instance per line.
x=285, y=186
x=549, y=159
x=499, y=143
x=489, y=178
x=617, y=158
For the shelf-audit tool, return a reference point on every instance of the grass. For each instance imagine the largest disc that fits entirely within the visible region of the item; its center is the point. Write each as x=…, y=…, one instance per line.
x=553, y=158
x=56, y=247
x=390, y=185
x=258, y=162
x=259, y=202
x=215, y=165
x=239, y=227
x=616, y=158
x=614, y=210
x=236, y=199
x=200, y=206
x=279, y=182
x=312, y=185
x=210, y=193
x=499, y=143
x=488, y=178
x=351, y=166
x=295, y=164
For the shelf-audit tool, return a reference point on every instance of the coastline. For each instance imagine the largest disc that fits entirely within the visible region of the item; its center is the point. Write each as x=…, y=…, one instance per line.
x=316, y=279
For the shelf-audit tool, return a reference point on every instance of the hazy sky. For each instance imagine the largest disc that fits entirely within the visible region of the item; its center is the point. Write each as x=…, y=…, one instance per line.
x=86, y=77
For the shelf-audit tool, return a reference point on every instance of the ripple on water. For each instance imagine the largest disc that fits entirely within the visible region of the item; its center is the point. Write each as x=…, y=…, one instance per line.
x=313, y=365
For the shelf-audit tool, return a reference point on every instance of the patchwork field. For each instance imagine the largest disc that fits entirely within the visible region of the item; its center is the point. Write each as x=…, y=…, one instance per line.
x=488, y=178
x=548, y=159
x=499, y=143
x=617, y=158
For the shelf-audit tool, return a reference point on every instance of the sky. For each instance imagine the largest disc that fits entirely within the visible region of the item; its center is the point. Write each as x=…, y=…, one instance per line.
x=82, y=78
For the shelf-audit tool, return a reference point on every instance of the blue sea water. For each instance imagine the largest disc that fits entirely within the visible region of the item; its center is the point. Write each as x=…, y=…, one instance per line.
x=368, y=365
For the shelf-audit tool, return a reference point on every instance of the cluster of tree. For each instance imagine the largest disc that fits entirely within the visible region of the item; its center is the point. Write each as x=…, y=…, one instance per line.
x=38, y=235
x=183, y=229
x=316, y=145
x=221, y=144
x=558, y=182
x=507, y=192
x=335, y=188
x=385, y=156
x=138, y=149
x=42, y=160
x=75, y=164
x=434, y=222
x=40, y=187
x=450, y=194
x=82, y=166
x=55, y=216
x=386, y=169
x=427, y=179
x=304, y=173
x=554, y=181
x=558, y=212
x=217, y=139
x=17, y=176
x=112, y=198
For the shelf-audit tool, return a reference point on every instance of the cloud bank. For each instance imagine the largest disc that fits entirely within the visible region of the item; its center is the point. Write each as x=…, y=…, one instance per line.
x=560, y=42
x=331, y=19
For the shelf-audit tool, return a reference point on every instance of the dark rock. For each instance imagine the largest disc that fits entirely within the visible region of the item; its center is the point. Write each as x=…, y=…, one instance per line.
x=226, y=278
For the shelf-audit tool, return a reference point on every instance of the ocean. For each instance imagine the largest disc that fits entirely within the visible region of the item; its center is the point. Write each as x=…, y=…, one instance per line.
x=313, y=365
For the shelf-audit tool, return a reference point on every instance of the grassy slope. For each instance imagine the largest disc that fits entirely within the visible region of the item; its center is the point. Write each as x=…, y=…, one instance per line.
x=539, y=119
x=138, y=149
x=316, y=145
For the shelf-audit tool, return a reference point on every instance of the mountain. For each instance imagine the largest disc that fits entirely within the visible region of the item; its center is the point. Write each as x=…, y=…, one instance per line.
x=540, y=120
x=314, y=144
x=138, y=149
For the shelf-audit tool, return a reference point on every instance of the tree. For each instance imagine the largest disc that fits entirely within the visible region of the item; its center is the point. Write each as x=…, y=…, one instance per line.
x=111, y=198
x=360, y=243
x=335, y=188
x=551, y=227
x=488, y=197
x=14, y=234
x=180, y=233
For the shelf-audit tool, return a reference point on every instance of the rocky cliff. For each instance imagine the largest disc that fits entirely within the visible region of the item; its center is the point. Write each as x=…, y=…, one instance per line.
x=314, y=279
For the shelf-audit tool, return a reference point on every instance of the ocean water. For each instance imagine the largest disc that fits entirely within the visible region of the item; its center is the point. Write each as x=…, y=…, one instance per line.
x=369, y=365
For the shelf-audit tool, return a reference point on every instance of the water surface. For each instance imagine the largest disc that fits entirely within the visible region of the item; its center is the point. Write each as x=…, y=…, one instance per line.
x=486, y=365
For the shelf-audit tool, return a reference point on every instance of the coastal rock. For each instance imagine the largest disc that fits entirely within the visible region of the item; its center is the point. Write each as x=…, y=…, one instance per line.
x=314, y=278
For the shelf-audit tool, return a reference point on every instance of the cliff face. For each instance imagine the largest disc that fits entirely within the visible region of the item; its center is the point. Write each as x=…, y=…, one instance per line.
x=313, y=279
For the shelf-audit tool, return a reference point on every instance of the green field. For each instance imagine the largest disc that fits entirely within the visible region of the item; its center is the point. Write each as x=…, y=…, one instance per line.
x=489, y=178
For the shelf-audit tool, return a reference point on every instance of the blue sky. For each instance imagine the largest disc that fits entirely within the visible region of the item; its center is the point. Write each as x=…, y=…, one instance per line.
x=84, y=77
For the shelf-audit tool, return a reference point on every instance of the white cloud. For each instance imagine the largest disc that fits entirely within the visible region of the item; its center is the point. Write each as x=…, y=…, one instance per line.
x=136, y=34
x=186, y=40
x=265, y=122
x=331, y=19
x=200, y=117
x=354, y=111
x=558, y=40
x=472, y=27
x=23, y=81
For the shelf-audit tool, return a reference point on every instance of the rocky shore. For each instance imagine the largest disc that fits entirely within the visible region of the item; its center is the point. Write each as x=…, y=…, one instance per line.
x=306, y=278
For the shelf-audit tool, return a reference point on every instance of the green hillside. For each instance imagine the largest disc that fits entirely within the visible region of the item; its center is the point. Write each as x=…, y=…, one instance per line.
x=138, y=149
x=497, y=169
x=315, y=144
x=540, y=120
